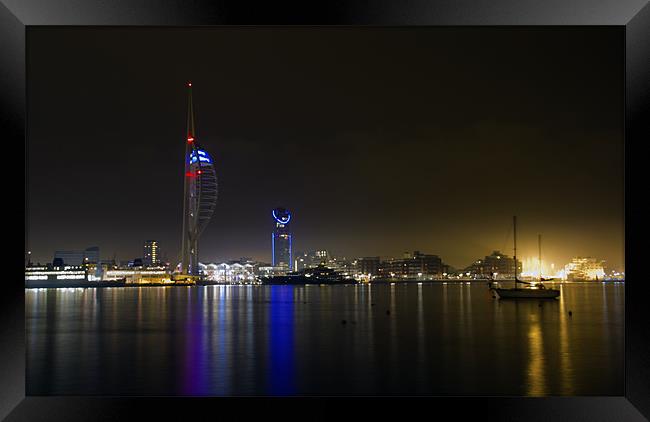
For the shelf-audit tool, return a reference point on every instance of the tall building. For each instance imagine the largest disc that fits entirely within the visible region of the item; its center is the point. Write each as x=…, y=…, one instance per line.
x=199, y=194
x=150, y=254
x=281, y=238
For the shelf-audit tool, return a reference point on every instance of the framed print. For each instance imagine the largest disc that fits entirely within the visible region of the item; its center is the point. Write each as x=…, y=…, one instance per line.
x=431, y=207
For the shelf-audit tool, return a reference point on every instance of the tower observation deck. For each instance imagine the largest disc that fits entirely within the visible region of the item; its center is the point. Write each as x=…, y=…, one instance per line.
x=199, y=194
x=281, y=238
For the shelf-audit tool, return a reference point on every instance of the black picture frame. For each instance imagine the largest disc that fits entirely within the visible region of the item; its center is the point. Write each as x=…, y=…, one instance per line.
x=634, y=15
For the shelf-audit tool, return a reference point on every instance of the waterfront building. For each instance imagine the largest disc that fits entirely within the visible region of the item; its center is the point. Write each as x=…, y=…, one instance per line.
x=199, y=194
x=310, y=259
x=89, y=255
x=150, y=255
x=343, y=266
x=233, y=272
x=68, y=258
x=56, y=273
x=139, y=275
x=369, y=265
x=270, y=271
x=588, y=268
x=495, y=265
x=413, y=266
x=281, y=239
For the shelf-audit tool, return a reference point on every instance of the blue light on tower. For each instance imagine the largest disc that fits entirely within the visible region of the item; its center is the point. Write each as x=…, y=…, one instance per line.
x=283, y=218
x=281, y=238
x=202, y=156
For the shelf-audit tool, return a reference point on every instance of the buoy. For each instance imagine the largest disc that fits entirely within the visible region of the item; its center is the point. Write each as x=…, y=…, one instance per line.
x=387, y=312
x=570, y=313
x=343, y=321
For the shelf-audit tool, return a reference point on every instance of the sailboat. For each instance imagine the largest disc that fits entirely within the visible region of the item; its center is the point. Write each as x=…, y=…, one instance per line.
x=533, y=291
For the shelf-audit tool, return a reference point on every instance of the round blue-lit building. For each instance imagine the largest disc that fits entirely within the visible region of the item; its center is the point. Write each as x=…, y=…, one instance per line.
x=199, y=194
x=281, y=238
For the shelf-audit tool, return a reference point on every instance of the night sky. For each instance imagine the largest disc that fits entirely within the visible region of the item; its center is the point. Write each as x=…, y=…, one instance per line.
x=379, y=140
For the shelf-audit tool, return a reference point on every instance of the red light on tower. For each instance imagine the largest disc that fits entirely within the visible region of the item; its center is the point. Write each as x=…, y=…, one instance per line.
x=198, y=172
x=190, y=139
x=189, y=84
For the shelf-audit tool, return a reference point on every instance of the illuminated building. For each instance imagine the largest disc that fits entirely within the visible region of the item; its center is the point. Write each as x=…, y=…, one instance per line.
x=89, y=255
x=322, y=256
x=531, y=268
x=199, y=194
x=281, y=238
x=150, y=254
x=270, y=271
x=310, y=259
x=413, y=266
x=584, y=269
x=151, y=275
x=496, y=263
x=347, y=269
x=56, y=273
x=229, y=272
x=369, y=265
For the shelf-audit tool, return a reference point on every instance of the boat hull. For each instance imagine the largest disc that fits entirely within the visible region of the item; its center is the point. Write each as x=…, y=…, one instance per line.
x=527, y=293
x=303, y=280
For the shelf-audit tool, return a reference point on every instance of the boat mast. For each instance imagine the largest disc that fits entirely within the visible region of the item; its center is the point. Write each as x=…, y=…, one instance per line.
x=539, y=243
x=514, y=236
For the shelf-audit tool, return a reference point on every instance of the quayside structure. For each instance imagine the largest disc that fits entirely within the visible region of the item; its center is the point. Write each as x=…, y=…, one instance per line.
x=199, y=195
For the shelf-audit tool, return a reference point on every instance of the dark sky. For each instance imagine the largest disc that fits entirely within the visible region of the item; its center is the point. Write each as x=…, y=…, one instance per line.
x=379, y=140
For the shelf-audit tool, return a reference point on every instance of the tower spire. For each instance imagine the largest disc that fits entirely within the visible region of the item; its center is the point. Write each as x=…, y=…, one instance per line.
x=190, y=114
x=199, y=194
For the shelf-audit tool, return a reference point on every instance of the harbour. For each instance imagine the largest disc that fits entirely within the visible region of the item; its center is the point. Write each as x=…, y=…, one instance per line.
x=436, y=339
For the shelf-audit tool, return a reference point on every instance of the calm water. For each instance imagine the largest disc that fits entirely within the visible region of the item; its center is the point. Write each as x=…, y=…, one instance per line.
x=452, y=339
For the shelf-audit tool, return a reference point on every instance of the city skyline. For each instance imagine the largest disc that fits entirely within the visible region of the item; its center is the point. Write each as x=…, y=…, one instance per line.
x=530, y=263
x=403, y=175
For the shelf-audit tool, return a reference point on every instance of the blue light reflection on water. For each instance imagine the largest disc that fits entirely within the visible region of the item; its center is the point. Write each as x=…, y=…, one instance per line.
x=281, y=342
x=195, y=376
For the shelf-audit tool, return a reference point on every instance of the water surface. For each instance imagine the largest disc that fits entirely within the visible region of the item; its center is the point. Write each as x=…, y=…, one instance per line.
x=435, y=339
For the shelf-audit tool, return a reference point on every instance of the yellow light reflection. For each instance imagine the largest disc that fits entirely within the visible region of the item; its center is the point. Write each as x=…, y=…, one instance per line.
x=536, y=364
x=566, y=370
